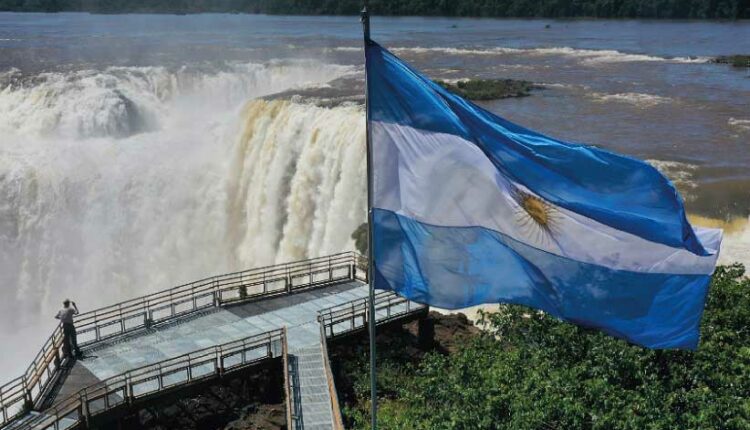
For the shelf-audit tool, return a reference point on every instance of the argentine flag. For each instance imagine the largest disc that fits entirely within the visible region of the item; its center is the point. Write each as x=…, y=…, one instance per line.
x=469, y=208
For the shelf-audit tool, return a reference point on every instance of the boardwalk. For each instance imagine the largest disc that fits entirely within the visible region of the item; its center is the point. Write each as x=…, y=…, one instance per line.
x=123, y=365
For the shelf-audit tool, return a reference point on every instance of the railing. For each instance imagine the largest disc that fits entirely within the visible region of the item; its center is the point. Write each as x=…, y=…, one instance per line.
x=338, y=422
x=220, y=290
x=287, y=382
x=352, y=316
x=294, y=402
x=151, y=380
x=21, y=394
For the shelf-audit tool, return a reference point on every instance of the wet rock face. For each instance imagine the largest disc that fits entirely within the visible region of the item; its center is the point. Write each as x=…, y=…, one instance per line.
x=447, y=331
x=489, y=89
x=262, y=417
x=452, y=330
x=250, y=402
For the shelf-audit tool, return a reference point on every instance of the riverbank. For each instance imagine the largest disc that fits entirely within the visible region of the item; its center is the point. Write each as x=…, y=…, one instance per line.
x=697, y=9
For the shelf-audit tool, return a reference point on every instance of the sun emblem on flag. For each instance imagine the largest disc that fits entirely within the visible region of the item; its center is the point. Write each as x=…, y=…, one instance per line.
x=536, y=217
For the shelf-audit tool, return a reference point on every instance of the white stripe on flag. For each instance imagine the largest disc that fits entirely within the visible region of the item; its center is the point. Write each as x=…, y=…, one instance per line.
x=445, y=180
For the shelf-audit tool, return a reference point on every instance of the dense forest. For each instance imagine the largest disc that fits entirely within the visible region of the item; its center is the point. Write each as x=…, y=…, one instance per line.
x=668, y=9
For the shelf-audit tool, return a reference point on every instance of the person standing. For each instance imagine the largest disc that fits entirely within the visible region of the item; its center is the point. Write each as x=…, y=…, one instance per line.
x=65, y=315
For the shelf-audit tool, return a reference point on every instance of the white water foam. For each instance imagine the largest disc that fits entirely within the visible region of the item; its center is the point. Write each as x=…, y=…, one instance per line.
x=345, y=49
x=736, y=246
x=455, y=51
x=739, y=124
x=590, y=57
x=121, y=101
x=681, y=174
x=636, y=99
x=595, y=57
x=561, y=86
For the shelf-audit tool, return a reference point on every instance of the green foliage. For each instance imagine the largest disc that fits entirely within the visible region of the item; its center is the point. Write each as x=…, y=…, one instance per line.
x=724, y=9
x=734, y=60
x=360, y=238
x=530, y=371
x=488, y=89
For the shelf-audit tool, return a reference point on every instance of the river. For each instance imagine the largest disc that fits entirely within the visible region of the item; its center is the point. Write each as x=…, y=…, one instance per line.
x=139, y=152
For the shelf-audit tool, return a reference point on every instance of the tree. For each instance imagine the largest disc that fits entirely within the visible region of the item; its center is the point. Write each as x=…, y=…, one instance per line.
x=727, y=9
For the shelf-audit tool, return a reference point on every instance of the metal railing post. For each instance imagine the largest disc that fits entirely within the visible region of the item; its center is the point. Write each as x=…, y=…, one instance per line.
x=83, y=412
x=58, y=360
x=28, y=403
x=353, y=318
x=190, y=369
x=217, y=292
x=287, y=388
x=128, y=391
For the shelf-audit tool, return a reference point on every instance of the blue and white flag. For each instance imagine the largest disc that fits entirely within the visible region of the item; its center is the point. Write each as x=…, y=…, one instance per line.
x=469, y=208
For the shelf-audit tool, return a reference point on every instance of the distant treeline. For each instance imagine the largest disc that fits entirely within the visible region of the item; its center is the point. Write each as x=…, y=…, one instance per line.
x=674, y=9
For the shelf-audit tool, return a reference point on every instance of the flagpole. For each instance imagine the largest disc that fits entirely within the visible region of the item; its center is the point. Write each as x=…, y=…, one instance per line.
x=370, y=254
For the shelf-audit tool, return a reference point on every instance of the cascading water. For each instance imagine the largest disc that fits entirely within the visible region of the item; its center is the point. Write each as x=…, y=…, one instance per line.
x=296, y=181
x=130, y=180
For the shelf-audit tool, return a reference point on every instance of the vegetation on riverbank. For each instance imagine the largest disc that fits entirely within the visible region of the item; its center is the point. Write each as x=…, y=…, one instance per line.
x=670, y=9
x=360, y=238
x=734, y=60
x=489, y=89
x=531, y=371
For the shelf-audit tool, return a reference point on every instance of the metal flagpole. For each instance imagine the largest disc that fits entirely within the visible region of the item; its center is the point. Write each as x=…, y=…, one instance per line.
x=370, y=253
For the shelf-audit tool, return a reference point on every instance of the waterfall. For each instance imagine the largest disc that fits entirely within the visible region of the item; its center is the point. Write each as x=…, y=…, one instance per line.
x=297, y=182
x=126, y=181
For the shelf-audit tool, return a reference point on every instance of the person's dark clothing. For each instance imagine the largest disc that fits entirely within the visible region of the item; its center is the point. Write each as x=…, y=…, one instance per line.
x=70, y=345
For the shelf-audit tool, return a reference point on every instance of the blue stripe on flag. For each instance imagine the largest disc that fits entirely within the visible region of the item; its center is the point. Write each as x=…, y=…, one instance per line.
x=456, y=267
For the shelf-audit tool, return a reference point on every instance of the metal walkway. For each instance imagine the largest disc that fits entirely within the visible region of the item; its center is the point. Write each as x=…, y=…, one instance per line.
x=152, y=346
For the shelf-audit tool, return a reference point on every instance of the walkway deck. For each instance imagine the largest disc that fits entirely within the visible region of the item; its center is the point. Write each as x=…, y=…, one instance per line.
x=298, y=313
x=186, y=343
